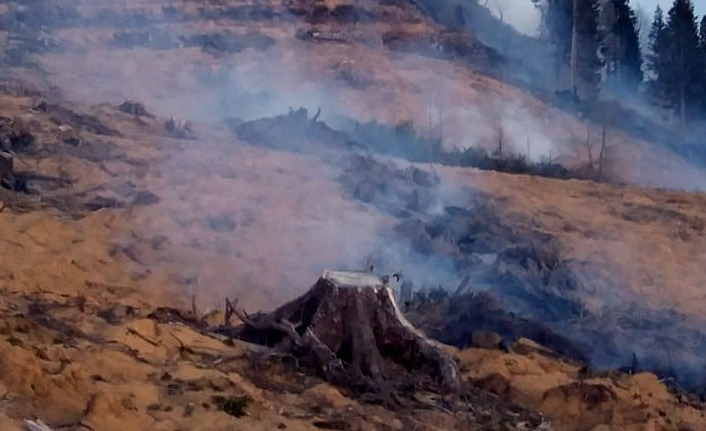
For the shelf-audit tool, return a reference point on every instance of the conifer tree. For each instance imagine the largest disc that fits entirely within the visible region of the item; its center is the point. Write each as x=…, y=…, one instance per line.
x=556, y=28
x=656, y=56
x=681, y=70
x=621, y=46
x=588, y=64
x=571, y=26
x=702, y=49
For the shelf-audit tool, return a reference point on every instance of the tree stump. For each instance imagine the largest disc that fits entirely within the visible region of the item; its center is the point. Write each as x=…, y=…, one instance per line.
x=350, y=327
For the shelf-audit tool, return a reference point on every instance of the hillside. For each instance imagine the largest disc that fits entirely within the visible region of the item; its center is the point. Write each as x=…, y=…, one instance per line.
x=252, y=59
x=117, y=211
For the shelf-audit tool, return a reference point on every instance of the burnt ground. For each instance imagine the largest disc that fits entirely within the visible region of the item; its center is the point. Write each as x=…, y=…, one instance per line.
x=296, y=132
x=518, y=281
x=510, y=278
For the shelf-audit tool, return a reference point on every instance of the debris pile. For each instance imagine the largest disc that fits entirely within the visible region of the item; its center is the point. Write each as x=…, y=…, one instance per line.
x=468, y=319
x=180, y=129
x=135, y=108
x=294, y=132
x=522, y=266
x=227, y=42
x=61, y=115
x=400, y=192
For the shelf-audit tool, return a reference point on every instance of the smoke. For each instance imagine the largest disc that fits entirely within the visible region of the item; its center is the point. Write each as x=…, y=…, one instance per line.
x=520, y=14
x=292, y=217
x=510, y=124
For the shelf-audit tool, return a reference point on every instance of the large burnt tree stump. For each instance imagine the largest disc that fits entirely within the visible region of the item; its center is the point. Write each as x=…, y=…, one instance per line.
x=350, y=327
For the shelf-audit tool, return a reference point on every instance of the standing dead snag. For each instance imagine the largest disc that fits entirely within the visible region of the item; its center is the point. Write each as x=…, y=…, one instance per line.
x=349, y=325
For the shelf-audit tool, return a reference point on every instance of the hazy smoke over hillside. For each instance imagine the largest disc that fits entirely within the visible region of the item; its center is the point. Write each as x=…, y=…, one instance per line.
x=187, y=64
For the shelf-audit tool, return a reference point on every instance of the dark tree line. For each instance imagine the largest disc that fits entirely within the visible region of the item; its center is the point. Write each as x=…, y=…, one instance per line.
x=677, y=60
x=597, y=48
x=621, y=47
x=572, y=29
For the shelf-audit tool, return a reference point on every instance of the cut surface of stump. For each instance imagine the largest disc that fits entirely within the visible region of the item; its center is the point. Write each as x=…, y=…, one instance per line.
x=350, y=327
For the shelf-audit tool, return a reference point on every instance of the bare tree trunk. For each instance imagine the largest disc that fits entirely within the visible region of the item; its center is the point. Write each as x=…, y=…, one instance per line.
x=601, y=156
x=682, y=125
x=574, y=50
x=589, y=148
x=682, y=98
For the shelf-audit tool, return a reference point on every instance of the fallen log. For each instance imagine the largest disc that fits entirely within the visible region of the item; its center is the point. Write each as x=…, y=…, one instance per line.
x=350, y=328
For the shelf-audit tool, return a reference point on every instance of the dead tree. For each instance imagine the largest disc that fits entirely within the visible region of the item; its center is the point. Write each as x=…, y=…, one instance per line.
x=351, y=329
x=501, y=139
x=589, y=148
x=601, y=156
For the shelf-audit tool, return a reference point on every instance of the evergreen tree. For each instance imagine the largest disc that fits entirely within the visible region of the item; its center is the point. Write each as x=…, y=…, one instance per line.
x=621, y=46
x=559, y=18
x=556, y=28
x=588, y=63
x=702, y=49
x=681, y=70
x=656, y=55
